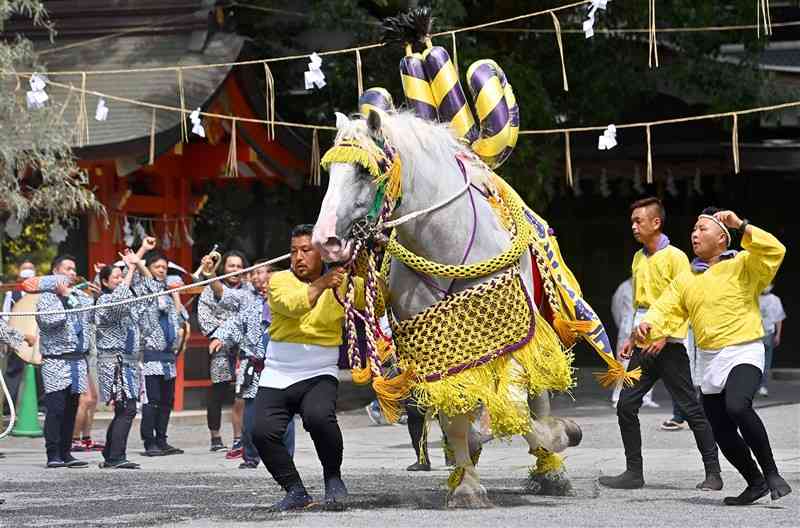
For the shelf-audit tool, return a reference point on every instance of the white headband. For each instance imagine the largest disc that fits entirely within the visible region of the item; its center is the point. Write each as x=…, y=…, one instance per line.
x=720, y=224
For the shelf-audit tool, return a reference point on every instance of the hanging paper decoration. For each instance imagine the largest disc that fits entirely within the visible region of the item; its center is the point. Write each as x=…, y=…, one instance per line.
x=127, y=233
x=197, y=125
x=13, y=227
x=314, y=77
x=609, y=138
x=588, y=24
x=36, y=96
x=57, y=233
x=101, y=114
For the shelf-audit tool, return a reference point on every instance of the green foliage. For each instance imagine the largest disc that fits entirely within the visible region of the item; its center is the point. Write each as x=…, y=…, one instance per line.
x=609, y=77
x=33, y=243
x=38, y=172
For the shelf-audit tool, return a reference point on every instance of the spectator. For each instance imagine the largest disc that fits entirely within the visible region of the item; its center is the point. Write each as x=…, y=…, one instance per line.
x=772, y=317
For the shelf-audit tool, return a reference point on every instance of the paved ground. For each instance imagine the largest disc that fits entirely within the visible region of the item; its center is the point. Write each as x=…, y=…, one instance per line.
x=203, y=489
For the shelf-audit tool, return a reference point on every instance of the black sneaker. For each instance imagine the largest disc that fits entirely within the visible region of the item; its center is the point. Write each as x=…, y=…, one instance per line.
x=170, y=450
x=296, y=498
x=418, y=466
x=119, y=464
x=625, y=480
x=249, y=464
x=55, y=463
x=153, y=451
x=750, y=494
x=217, y=445
x=74, y=463
x=335, y=493
x=777, y=486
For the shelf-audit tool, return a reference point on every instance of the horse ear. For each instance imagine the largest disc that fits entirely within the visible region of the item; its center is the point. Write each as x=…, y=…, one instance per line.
x=341, y=120
x=374, y=122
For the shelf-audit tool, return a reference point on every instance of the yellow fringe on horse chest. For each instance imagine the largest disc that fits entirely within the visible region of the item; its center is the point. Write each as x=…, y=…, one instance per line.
x=462, y=349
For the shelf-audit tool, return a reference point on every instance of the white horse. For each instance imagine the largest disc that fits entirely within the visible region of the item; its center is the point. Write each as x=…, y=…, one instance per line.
x=431, y=173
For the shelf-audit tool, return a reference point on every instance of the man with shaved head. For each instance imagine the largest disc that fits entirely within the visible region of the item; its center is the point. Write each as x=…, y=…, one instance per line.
x=654, y=268
x=719, y=296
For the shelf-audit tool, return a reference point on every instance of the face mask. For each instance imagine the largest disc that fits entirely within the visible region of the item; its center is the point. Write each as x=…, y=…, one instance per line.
x=27, y=273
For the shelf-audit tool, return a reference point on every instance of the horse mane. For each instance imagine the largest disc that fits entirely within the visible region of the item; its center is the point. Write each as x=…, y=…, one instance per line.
x=420, y=143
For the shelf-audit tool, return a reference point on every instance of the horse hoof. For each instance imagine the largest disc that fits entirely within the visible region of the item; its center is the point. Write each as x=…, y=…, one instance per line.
x=532, y=486
x=468, y=500
x=553, y=483
x=574, y=433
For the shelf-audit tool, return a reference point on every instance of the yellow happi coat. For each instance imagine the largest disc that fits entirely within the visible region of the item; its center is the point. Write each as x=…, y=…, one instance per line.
x=652, y=275
x=722, y=302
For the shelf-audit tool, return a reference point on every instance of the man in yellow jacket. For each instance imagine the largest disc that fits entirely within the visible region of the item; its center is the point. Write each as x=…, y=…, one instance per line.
x=300, y=371
x=653, y=269
x=719, y=296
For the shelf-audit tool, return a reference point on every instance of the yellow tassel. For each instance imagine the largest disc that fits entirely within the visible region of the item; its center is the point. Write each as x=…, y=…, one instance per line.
x=616, y=373
x=546, y=461
x=568, y=331
x=392, y=393
x=361, y=376
x=385, y=350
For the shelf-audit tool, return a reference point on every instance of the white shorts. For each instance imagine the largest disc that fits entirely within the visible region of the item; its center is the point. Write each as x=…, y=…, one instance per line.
x=716, y=365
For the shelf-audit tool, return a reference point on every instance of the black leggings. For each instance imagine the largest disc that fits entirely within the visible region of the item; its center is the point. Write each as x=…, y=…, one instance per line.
x=416, y=428
x=315, y=401
x=216, y=397
x=731, y=412
x=118, y=429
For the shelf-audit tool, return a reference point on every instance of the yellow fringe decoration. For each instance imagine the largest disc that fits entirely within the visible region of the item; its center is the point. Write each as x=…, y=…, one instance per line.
x=546, y=461
x=569, y=331
x=354, y=154
x=361, y=376
x=545, y=366
x=385, y=350
x=392, y=394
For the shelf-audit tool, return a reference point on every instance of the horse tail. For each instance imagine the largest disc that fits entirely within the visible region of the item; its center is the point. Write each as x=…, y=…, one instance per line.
x=450, y=99
x=497, y=109
x=375, y=99
x=419, y=96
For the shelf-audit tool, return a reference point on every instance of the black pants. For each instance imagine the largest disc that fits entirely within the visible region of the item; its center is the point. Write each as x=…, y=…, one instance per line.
x=315, y=401
x=671, y=365
x=730, y=413
x=13, y=376
x=216, y=397
x=155, y=413
x=59, y=421
x=416, y=429
x=118, y=430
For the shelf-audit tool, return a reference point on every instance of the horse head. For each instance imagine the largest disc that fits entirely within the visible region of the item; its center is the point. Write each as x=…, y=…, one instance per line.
x=364, y=175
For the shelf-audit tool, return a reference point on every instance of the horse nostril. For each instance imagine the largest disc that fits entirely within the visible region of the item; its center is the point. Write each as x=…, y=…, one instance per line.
x=332, y=244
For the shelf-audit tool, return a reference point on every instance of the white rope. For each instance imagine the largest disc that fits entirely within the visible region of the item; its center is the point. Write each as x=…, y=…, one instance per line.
x=149, y=295
x=411, y=216
x=13, y=417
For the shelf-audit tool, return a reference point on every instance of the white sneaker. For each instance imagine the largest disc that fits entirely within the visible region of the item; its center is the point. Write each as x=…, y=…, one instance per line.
x=763, y=392
x=614, y=403
x=650, y=404
x=374, y=414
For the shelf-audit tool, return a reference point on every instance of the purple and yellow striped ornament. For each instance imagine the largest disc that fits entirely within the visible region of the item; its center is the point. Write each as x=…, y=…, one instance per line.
x=416, y=87
x=375, y=99
x=498, y=112
x=449, y=97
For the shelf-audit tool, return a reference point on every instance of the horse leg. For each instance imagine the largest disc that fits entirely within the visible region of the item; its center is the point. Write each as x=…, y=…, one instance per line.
x=466, y=490
x=547, y=437
x=475, y=441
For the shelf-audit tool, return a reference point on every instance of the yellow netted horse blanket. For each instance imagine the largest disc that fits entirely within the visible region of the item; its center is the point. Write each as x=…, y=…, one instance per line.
x=471, y=347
